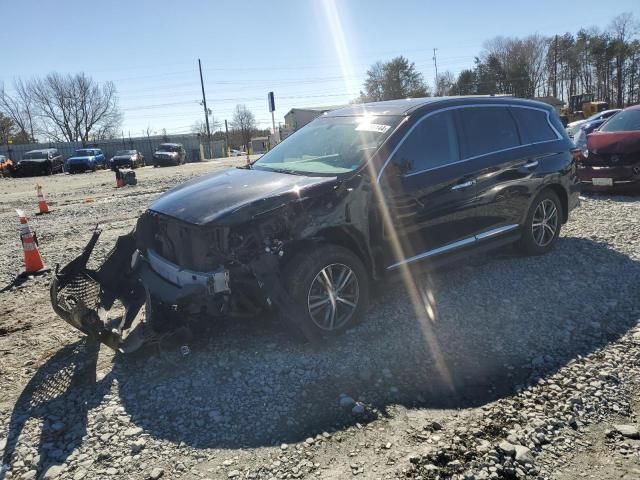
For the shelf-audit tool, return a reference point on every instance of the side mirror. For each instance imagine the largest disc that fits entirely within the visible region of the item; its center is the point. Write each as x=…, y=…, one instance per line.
x=403, y=166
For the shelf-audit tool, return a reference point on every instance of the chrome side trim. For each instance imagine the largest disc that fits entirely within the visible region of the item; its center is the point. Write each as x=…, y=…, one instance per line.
x=458, y=107
x=496, y=231
x=435, y=251
x=455, y=245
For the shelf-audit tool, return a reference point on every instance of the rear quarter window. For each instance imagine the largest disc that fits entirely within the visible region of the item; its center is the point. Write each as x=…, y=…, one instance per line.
x=533, y=125
x=487, y=130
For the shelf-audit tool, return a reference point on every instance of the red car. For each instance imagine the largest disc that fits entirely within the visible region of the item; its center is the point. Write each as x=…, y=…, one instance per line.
x=612, y=157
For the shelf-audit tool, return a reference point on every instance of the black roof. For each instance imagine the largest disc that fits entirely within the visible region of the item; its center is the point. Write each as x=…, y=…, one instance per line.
x=38, y=150
x=410, y=105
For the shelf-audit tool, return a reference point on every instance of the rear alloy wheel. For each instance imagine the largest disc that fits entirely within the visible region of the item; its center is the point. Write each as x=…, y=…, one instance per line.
x=543, y=223
x=331, y=286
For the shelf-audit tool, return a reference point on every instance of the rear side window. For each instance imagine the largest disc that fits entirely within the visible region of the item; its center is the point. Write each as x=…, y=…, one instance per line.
x=432, y=143
x=533, y=125
x=487, y=130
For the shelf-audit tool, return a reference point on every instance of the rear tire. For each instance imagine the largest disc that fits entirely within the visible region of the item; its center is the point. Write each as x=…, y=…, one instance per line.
x=542, y=225
x=329, y=307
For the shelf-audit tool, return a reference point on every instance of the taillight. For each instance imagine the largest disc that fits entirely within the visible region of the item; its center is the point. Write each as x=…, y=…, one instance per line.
x=577, y=154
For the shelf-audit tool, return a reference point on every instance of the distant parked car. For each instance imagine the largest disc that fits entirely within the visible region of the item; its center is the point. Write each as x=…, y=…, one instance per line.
x=612, y=155
x=6, y=166
x=86, y=159
x=580, y=139
x=127, y=158
x=39, y=162
x=169, y=154
x=236, y=153
x=574, y=127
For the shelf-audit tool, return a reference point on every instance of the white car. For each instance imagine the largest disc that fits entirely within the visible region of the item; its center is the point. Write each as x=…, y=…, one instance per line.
x=236, y=153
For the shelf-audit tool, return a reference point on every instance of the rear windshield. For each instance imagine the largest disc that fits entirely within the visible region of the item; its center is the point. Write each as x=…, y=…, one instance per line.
x=329, y=146
x=625, y=121
x=35, y=155
x=168, y=148
x=126, y=152
x=84, y=153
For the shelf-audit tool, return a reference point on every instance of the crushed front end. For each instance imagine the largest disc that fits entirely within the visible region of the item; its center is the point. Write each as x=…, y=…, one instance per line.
x=169, y=275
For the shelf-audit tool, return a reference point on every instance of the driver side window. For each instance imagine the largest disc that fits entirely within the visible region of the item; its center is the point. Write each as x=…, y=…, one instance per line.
x=431, y=144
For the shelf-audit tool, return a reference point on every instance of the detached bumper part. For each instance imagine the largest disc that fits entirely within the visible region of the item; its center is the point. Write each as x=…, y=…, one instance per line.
x=83, y=297
x=213, y=282
x=105, y=304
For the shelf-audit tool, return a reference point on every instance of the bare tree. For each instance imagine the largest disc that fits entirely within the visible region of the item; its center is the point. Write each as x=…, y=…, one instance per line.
x=75, y=107
x=7, y=128
x=622, y=28
x=445, y=84
x=200, y=127
x=245, y=123
x=20, y=108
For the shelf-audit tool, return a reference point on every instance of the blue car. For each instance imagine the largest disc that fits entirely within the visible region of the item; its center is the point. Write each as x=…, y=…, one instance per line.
x=85, y=159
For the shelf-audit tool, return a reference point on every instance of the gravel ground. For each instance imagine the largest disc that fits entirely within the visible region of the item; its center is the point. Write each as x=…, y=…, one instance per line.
x=526, y=368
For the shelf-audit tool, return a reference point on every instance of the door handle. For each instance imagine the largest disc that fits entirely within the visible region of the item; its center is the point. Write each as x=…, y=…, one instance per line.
x=532, y=164
x=466, y=184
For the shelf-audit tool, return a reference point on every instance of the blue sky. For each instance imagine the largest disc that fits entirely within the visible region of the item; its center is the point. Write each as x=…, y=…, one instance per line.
x=309, y=52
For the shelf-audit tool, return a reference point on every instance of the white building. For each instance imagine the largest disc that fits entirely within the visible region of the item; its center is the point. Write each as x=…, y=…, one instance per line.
x=299, y=117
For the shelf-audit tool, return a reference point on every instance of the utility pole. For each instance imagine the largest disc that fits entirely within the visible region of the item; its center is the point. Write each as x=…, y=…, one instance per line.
x=204, y=104
x=226, y=134
x=555, y=68
x=435, y=64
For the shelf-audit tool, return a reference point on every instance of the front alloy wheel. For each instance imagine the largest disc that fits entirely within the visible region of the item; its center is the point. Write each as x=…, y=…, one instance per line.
x=333, y=297
x=330, y=285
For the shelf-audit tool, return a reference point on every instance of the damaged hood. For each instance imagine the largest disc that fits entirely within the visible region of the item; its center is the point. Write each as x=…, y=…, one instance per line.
x=603, y=143
x=219, y=195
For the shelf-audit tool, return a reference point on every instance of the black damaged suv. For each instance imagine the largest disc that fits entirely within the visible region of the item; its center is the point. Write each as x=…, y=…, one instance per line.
x=356, y=193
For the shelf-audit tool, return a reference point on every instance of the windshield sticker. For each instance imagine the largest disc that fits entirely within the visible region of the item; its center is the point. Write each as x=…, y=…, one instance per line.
x=372, y=127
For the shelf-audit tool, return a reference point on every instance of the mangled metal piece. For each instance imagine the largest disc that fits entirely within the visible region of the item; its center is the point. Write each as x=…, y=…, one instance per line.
x=106, y=303
x=83, y=297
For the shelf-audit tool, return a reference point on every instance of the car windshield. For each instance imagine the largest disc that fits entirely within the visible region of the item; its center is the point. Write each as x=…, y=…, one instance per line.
x=35, y=155
x=126, y=152
x=625, y=121
x=329, y=146
x=168, y=148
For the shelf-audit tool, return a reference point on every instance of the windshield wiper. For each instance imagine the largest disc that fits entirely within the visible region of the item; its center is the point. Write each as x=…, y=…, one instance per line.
x=284, y=170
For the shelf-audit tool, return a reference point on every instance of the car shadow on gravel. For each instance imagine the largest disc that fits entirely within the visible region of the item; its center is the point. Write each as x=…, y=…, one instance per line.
x=498, y=323
x=58, y=397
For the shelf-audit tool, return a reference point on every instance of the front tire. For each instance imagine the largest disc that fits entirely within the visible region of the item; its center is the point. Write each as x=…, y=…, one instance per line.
x=331, y=286
x=542, y=225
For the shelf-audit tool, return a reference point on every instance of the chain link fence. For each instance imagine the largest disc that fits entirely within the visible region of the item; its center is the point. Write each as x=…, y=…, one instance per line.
x=196, y=147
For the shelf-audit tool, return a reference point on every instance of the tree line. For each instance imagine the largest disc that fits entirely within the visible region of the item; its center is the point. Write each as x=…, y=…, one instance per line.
x=63, y=108
x=603, y=62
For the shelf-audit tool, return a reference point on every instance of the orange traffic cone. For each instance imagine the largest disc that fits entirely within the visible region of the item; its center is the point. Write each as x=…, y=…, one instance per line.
x=42, y=203
x=33, y=264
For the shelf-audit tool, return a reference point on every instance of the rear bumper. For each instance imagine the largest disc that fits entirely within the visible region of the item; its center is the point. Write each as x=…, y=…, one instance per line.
x=121, y=163
x=165, y=162
x=79, y=166
x=621, y=177
x=29, y=170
